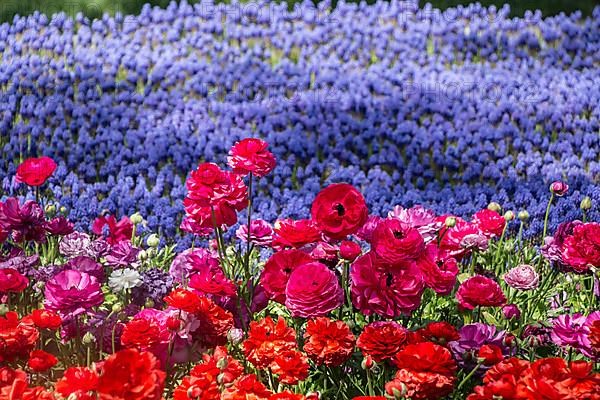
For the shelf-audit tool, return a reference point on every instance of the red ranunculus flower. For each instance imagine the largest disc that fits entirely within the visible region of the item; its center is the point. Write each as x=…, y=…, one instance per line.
x=313, y=290
x=11, y=281
x=9, y=375
x=197, y=388
x=426, y=371
x=245, y=388
x=250, y=156
x=328, y=342
x=35, y=171
x=183, y=299
x=489, y=222
x=277, y=271
x=214, y=323
x=266, y=339
x=490, y=354
x=440, y=333
x=290, y=366
x=295, y=234
x=396, y=243
x=141, y=333
x=382, y=339
x=46, y=319
x=117, y=231
x=480, y=291
x=287, y=395
x=132, y=375
x=17, y=337
x=220, y=365
x=79, y=380
x=339, y=210
x=40, y=361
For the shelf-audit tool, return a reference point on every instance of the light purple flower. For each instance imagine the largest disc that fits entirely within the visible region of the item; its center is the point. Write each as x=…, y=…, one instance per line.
x=192, y=260
x=522, y=277
x=72, y=292
x=261, y=233
x=123, y=254
x=472, y=337
x=569, y=330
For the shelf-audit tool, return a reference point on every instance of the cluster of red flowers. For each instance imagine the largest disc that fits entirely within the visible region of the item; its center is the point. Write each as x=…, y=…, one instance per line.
x=547, y=378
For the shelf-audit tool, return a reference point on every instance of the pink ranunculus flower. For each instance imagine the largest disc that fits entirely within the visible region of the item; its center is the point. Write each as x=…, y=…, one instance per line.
x=117, y=231
x=277, y=271
x=480, y=291
x=261, y=233
x=190, y=261
x=420, y=218
x=72, y=292
x=582, y=249
x=451, y=243
x=439, y=273
x=395, y=242
x=559, y=188
x=313, y=290
x=522, y=277
x=489, y=222
x=569, y=330
x=251, y=156
x=381, y=289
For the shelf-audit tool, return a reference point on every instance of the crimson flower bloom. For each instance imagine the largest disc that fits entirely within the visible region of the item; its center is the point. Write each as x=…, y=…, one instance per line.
x=117, y=231
x=382, y=339
x=480, y=291
x=250, y=156
x=339, y=210
x=35, y=171
x=46, y=319
x=41, y=361
x=11, y=281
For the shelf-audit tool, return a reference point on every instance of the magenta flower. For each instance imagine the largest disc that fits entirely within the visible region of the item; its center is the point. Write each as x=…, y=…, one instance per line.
x=313, y=290
x=26, y=222
x=522, y=277
x=569, y=330
x=59, y=226
x=192, y=260
x=389, y=292
x=559, y=188
x=261, y=233
x=423, y=220
x=123, y=254
x=72, y=292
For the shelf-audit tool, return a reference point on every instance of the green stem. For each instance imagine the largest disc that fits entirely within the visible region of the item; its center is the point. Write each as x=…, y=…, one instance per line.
x=546, y=217
x=469, y=376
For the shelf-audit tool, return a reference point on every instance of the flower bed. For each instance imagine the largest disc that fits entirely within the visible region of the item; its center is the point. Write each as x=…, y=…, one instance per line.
x=448, y=109
x=342, y=305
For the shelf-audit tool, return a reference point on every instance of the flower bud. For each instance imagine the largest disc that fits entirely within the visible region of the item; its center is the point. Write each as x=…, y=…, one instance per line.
x=149, y=303
x=4, y=309
x=523, y=215
x=136, y=218
x=399, y=393
x=368, y=363
x=142, y=255
x=349, y=250
x=450, y=222
x=153, y=240
x=559, y=188
x=173, y=323
x=50, y=209
x=63, y=210
x=586, y=203
x=511, y=311
x=222, y=363
x=235, y=336
x=509, y=216
x=117, y=308
x=494, y=207
x=88, y=338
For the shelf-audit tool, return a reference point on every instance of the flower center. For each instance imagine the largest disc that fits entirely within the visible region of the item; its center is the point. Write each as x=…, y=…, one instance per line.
x=399, y=234
x=388, y=279
x=340, y=209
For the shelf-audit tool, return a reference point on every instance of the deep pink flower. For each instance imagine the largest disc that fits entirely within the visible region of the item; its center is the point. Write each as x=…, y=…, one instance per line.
x=11, y=281
x=191, y=261
x=261, y=233
x=295, y=233
x=72, y=292
x=439, y=273
x=569, y=330
x=325, y=252
x=250, y=156
x=480, y=291
x=559, y=188
x=582, y=249
x=59, y=226
x=451, y=243
x=313, y=290
x=26, y=222
x=379, y=289
x=212, y=282
x=349, y=251
x=396, y=243
x=35, y=171
x=200, y=228
x=123, y=254
x=117, y=231
x=339, y=210
x=366, y=231
x=489, y=222
x=420, y=218
x=277, y=271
